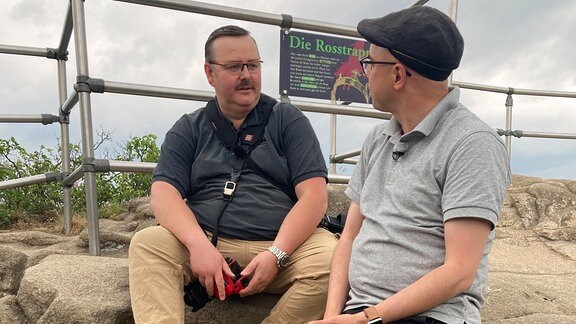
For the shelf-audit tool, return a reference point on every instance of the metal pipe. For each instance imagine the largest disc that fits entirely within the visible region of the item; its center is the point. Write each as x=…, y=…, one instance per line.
x=66, y=33
x=349, y=161
x=86, y=127
x=69, y=103
x=336, y=109
x=333, y=123
x=519, y=134
x=76, y=175
x=128, y=166
x=247, y=15
x=156, y=91
x=419, y=3
x=509, y=104
x=40, y=178
x=25, y=118
x=336, y=178
x=527, y=92
x=179, y=93
x=346, y=155
x=24, y=50
x=65, y=145
x=453, y=13
x=453, y=10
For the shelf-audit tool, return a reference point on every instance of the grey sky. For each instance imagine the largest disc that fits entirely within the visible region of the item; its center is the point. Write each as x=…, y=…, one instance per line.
x=517, y=43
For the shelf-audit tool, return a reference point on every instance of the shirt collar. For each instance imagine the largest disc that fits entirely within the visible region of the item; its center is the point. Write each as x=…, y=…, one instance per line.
x=426, y=126
x=255, y=116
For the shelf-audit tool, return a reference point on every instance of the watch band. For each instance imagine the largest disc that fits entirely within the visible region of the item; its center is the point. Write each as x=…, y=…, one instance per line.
x=281, y=256
x=372, y=315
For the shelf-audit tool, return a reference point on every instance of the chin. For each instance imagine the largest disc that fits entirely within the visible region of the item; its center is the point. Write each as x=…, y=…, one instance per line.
x=248, y=100
x=380, y=108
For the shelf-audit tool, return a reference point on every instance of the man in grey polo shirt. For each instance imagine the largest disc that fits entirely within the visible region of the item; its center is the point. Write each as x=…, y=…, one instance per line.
x=273, y=237
x=427, y=190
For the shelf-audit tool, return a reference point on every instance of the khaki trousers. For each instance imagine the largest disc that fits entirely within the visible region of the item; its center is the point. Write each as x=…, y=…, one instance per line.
x=159, y=268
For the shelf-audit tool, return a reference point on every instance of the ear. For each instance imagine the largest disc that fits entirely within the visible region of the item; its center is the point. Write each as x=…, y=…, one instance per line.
x=209, y=73
x=400, y=76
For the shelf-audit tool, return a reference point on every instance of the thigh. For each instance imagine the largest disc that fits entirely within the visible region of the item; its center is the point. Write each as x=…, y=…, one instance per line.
x=239, y=250
x=315, y=254
x=157, y=244
x=311, y=260
x=157, y=247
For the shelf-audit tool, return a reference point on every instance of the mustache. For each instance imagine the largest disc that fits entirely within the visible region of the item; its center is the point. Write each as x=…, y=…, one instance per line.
x=245, y=83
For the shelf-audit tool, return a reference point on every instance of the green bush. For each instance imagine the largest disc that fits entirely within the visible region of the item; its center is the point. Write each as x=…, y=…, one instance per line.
x=114, y=189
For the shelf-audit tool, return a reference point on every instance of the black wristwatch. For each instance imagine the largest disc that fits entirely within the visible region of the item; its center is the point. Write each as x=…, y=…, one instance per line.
x=372, y=316
x=282, y=258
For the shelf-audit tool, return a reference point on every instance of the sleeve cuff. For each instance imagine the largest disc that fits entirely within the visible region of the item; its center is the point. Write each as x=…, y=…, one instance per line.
x=173, y=183
x=474, y=212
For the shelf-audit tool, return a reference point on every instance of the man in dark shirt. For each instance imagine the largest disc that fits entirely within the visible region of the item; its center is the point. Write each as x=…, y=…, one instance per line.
x=275, y=239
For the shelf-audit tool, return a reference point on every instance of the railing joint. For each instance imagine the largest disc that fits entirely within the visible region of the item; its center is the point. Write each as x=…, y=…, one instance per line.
x=49, y=119
x=53, y=53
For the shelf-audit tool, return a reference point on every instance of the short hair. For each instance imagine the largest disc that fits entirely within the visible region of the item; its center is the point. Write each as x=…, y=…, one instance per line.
x=230, y=30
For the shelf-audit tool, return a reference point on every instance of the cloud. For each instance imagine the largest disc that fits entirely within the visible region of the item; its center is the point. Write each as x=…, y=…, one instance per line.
x=521, y=44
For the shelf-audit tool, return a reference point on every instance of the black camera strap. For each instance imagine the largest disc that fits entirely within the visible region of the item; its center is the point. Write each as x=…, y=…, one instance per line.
x=233, y=140
x=227, y=195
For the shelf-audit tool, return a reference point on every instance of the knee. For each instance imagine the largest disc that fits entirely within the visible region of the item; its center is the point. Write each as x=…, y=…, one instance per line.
x=142, y=240
x=155, y=245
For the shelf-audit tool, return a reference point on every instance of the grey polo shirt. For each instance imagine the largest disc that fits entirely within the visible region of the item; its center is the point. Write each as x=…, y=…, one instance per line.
x=454, y=165
x=195, y=162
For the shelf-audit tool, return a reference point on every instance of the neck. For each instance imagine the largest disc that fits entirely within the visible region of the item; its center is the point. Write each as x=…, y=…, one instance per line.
x=418, y=103
x=236, y=116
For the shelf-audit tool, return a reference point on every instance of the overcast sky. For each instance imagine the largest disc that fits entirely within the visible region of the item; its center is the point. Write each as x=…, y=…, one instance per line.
x=526, y=44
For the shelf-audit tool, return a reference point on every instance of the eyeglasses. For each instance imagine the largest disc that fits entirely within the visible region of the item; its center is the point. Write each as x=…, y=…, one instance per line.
x=367, y=65
x=237, y=67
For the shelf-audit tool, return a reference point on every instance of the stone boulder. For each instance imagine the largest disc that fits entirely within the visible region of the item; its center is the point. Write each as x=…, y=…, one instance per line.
x=80, y=289
x=11, y=269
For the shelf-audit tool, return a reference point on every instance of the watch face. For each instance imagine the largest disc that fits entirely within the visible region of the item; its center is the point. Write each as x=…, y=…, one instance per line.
x=283, y=262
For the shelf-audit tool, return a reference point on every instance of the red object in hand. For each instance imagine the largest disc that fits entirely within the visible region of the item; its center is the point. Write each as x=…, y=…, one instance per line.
x=233, y=285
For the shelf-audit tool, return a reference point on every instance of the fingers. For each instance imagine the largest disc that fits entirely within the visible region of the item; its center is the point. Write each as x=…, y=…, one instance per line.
x=220, y=286
x=209, y=285
x=262, y=274
x=254, y=287
x=247, y=272
x=227, y=271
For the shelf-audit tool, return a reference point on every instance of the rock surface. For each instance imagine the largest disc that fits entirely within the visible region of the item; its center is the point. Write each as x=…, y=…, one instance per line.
x=47, y=278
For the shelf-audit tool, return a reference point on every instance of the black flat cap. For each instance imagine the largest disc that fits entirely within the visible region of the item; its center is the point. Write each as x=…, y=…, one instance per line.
x=423, y=38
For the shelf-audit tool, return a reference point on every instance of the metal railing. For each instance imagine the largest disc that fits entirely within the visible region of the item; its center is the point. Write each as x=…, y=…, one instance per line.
x=85, y=85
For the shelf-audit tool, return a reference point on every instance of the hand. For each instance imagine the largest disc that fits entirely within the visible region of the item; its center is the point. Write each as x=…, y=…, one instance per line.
x=263, y=270
x=358, y=318
x=208, y=265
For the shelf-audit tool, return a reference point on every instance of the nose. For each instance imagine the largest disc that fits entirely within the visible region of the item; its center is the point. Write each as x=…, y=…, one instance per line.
x=244, y=68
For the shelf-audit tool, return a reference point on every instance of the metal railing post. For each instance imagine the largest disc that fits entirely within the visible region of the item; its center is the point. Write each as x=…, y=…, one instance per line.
x=509, y=104
x=64, y=117
x=453, y=13
x=333, y=124
x=86, y=125
x=65, y=145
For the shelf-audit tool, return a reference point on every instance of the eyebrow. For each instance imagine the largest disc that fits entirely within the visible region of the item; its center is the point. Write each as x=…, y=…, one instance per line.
x=249, y=61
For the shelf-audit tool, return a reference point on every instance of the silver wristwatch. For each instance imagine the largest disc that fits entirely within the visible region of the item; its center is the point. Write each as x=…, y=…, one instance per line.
x=282, y=258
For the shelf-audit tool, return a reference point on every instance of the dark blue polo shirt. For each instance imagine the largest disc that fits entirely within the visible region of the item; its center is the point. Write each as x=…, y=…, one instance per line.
x=195, y=162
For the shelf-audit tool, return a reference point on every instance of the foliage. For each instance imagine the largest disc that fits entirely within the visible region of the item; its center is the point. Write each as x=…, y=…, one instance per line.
x=114, y=189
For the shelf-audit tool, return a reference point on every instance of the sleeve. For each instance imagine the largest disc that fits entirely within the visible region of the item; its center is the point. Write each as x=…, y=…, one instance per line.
x=177, y=157
x=477, y=176
x=302, y=149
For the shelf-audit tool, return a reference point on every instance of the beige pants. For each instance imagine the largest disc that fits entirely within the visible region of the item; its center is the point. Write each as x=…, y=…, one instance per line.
x=160, y=268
